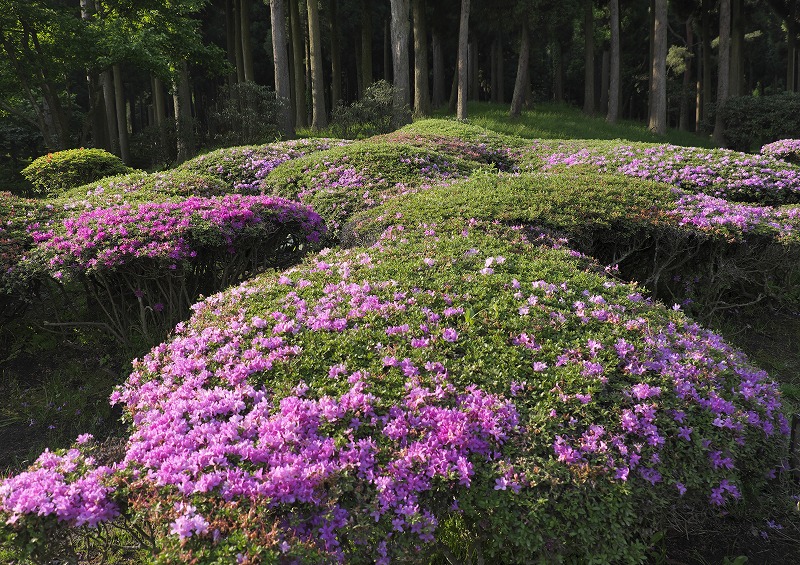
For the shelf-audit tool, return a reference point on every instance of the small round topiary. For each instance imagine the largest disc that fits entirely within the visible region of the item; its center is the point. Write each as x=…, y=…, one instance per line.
x=55, y=173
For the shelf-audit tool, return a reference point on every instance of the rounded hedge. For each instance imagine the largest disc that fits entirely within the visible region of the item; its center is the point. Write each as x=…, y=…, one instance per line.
x=459, y=383
x=55, y=173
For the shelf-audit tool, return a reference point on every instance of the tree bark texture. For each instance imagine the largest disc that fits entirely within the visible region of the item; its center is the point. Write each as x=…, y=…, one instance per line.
x=336, y=55
x=400, y=28
x=107, y=82
x=724, y=67
x=422, y=102
x=657, y=121
x=277, y=12
x=614, y=64
x=737, y=49
x=319, y=118
x=463, y=46
x=247, y=49
x=299, y=67
x=122, y=117
x=708, y=34
x=522, y=81
x=237, y=39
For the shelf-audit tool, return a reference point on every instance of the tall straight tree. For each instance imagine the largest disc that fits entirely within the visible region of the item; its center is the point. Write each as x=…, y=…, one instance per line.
x=588, y=54
x=463, y=47
x=522, y=81
x=400, y=27
x=247, y=49
x=724, y=67
x=280, y=55
x=614, y=64
x=422, y=102
x=336, y=55
x=438, y=69
x=319, y=119
x=298, y=66
x=657, y=121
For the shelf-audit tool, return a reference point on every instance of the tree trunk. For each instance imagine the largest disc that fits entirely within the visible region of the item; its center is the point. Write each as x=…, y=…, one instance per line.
x=237, y=39
x=160, y=112
x=400, y=27
x=463, y=45
x=336, y=56
x=614, y=64
x=122, y=118
x=422, y=102
x=387, y=52
x=737, y=46
x=604, y=80
x=182, y=98
x=300, y=117
x=247, y=50
x=558, y=72
x=706, y=45
x=438, y=71
x=97, y=126
x=366, y=44
x=280, y=55
x=588, y=47
x=658, y=94
x=319, y=118
x=107, y=81
x=522, y=81
x=230, y=40
x=724, y=67
x=683, y=123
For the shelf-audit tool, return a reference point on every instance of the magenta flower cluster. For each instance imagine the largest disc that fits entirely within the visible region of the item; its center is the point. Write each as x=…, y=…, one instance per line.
x=110, y=237
x=720, y=173
x=69, y=487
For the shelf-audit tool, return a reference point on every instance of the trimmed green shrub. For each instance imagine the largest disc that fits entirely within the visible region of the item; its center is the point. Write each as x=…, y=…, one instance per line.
x=751, y=121
x=244, y=168
x=142, y=187
x=341, y=181
x=55, y=173
x=460, y=384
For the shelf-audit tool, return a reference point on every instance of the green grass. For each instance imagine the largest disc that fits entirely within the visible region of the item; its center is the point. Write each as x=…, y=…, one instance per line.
x=561, y=121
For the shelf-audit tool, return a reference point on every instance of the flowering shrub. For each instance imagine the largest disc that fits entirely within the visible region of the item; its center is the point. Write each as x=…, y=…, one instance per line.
x=718, y=172
x=785, y=149
x=342, y=181
x=55, y=173
x=152, y=260
x=244, y=168
x=141, y=187
x=16, y=214
x=456, y=375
